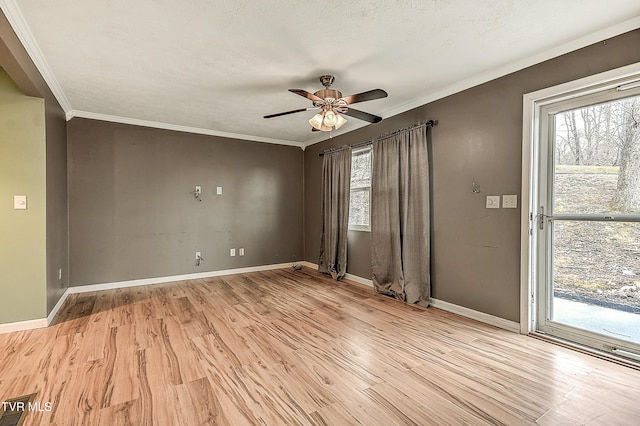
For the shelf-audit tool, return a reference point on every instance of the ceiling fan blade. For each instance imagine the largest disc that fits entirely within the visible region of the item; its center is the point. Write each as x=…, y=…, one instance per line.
x=365, y=96
x=289, y=112
x=305, y=94
x=361, y=115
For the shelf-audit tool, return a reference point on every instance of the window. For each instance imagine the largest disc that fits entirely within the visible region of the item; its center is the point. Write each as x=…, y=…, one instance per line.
x=359, y=202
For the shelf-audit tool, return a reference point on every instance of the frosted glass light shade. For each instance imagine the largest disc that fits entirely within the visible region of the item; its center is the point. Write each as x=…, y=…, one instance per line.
x=330, y=118
x=327, y=121
x=316, y=121
x=341, y=120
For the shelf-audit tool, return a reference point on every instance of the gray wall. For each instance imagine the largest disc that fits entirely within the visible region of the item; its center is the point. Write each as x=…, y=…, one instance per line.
x=57, y=207
x=475, y=251
x=132, y=214
x=16, y=62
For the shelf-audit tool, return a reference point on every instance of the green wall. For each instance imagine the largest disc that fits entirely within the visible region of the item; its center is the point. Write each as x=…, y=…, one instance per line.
x=22, y=232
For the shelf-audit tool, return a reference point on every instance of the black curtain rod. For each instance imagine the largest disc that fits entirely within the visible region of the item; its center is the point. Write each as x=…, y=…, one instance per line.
x=429, y=123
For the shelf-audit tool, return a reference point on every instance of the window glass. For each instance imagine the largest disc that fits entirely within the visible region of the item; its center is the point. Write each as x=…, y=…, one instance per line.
x=359, y=205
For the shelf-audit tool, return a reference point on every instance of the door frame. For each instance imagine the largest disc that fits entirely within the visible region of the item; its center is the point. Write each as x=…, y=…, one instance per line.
x=531, y=155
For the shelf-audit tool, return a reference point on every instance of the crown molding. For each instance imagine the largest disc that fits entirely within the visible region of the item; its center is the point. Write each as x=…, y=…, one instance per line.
x=579, y=43
x=178, y=128
x=22, y=30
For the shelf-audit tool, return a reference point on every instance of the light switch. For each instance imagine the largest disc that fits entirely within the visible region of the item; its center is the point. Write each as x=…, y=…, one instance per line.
x=493, y=201
x=509, y=201
x=20, y=202
x=219, y=190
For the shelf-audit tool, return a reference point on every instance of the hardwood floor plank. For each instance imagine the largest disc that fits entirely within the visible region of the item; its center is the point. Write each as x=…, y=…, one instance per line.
x=232, y=385
x=123, y=414
x=180, y=349
x=200, y=405
x=433, y=410
x=237, y=318
x=338, y=381
x=492, y=400
x=295, y=347
x=360, y=408
x=269, y=349
x=302, y=398
x=158, y=407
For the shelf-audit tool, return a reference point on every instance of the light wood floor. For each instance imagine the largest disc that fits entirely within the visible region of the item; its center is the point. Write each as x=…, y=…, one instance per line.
x=292, y=347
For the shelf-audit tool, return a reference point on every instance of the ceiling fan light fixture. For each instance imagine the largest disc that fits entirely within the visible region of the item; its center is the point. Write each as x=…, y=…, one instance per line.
x=316, y=121
x=330, y=118
x=327, y=121
x=332, y=105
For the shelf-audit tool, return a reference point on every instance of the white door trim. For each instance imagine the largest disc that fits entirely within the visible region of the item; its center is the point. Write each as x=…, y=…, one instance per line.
x=532, y=102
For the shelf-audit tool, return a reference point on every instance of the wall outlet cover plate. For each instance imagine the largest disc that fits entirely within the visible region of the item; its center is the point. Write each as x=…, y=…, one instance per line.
x=20, y=202
x=509, y=201
x=493, y=201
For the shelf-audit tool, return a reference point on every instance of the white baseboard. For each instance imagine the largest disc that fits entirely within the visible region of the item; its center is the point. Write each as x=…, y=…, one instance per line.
x=23, y=325
x=440, y=304
x=349, y=277
x=56, y=308
x=446, y=306
x=359, y=280
x=44, y=322
x=308, y=264
x=172, y=278
x=476, y=315
x=33, y=324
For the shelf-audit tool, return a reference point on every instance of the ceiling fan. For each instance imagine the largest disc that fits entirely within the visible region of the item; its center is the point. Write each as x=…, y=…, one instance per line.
x=332, y=105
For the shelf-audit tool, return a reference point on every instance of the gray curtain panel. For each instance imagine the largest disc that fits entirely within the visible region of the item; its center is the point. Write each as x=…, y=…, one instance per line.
x=400, y=216
x=336, y=181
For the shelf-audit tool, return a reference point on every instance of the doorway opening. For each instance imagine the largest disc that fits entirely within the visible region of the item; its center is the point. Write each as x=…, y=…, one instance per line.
x=583, y=282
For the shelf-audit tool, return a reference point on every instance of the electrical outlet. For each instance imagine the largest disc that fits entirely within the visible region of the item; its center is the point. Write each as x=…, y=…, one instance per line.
x=232, y=252
x=509, y=201
x=198, y=190
x=240, y=252
x=219, y=190
x=199, y=258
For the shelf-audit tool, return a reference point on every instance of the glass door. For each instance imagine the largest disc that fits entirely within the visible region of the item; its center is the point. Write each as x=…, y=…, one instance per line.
x=589, y=222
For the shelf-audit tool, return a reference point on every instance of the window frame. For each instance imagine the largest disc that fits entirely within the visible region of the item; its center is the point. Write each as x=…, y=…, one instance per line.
x=354, y=153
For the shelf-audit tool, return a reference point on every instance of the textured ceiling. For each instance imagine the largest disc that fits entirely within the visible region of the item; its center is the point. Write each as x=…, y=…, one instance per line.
x=217, y=67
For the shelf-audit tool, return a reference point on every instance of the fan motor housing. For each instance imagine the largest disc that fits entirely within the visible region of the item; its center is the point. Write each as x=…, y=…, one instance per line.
x=328, y=93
